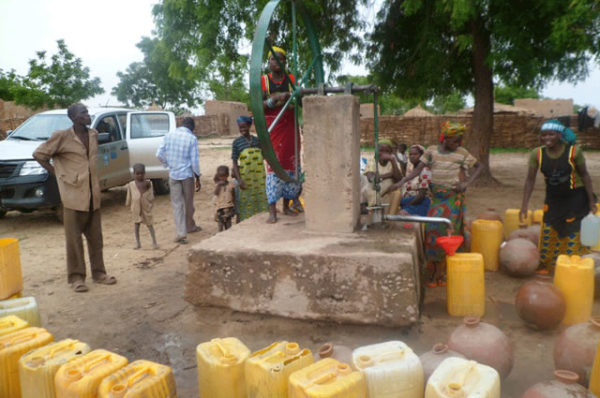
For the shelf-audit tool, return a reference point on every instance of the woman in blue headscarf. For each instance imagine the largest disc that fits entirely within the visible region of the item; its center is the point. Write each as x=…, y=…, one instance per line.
x=569, y=192
x=248, y=169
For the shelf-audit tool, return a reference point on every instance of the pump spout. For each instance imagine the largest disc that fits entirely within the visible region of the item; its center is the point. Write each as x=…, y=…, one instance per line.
x=400, y=217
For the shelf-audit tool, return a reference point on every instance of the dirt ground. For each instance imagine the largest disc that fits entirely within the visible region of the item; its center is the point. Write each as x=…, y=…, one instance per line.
x=145, y=316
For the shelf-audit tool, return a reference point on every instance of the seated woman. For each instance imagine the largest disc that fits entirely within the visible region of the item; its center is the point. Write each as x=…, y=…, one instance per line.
x=389, y=173
x=416, y=194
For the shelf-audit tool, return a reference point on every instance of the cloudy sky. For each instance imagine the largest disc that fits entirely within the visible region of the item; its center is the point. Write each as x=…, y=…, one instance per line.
x=104, y=37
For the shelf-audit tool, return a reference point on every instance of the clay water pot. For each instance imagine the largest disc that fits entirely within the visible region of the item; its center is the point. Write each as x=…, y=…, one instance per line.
x=596, y=256
x=576, y=347
x=519, y=257
x=532, y=234
x=540, y=304
x=431, y=359
x=483, y=343
x=563, y=386
x=490, y=214
x=338, y=352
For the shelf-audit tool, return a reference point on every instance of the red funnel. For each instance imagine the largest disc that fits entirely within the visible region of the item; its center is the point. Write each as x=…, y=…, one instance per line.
x=450, y=243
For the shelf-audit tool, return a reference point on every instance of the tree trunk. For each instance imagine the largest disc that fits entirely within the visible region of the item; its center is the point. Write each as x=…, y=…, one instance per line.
x=478, y=142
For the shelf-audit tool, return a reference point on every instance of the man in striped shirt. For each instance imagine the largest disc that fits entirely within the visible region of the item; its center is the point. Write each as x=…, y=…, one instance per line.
x=179, y=153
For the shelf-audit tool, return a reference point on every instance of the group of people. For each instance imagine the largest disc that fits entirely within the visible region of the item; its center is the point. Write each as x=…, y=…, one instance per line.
x=429, y=181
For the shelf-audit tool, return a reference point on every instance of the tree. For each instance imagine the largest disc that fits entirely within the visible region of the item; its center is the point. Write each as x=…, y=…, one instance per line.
x=450, y=103
x=425, y=48
x=205, y=37
x=148, y=82
x=61, y=82
x=508, y=94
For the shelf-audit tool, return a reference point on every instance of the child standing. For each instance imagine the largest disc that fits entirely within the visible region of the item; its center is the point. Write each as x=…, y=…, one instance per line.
x=140, y=198
x=224, y=198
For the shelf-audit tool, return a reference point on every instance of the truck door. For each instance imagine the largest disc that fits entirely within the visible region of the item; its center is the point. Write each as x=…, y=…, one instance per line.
x=113, y=156
x=145, y=131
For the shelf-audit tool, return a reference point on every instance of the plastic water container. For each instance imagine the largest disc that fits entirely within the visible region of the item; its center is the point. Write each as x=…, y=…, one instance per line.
x=512, y=221
x=327, y=378
x=466, y=284
x=37, y=368
x=25, y=308
x=12, y=347
x=538, y=216
x=11, y=323
x=574, y=277
x=458, y=377
x=590, y=230
x=221, y=368
x=486, y=238
x=391, y=369
x=81, y=377
x=11, y=281
x=595, y=375
x=139, y=379
x=267, y=370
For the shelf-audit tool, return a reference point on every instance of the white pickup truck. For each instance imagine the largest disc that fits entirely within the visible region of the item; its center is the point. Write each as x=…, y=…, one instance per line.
x=126, y=137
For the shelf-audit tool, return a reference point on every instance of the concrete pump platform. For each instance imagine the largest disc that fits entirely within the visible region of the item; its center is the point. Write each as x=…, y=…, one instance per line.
x=367, y=277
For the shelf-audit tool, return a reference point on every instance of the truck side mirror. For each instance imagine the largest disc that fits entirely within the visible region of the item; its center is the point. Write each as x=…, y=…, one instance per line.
x=103, y=138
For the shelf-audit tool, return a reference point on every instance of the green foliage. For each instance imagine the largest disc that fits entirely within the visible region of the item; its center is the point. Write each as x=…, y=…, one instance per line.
x=425, y=47
x=9, y=82
x=205, y=37
x=508, y=94
x=450, y=103
x=60, y=81
x=148, y=82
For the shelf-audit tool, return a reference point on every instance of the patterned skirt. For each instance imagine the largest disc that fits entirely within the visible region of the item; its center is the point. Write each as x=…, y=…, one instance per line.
x=253, y=199
x=447, y=203
x=551, y=245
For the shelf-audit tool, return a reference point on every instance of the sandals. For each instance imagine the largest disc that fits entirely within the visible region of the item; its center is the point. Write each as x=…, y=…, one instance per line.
x=106, y=280
x=79, y=287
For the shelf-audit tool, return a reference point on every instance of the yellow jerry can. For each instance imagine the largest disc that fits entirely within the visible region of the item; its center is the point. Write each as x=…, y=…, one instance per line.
x=574, y=277
x=81, y=377
x=267, y=370
x=512, y=221
x=11, y=280
x=327, y=378
x=221, y=368
x=11, y=323
x=12, y=347
x=37, y=368
x=486, y=238
x=139, y=379
x=466, y=284
x=25, y=308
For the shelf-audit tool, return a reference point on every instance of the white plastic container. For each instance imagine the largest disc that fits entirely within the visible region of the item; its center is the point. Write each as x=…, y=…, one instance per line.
x=590, y=230
x=25, y=308
x=458, y=377
x=391, y=369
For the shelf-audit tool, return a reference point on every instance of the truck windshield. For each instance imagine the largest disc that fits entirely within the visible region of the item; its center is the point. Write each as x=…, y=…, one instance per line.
x=39, y=127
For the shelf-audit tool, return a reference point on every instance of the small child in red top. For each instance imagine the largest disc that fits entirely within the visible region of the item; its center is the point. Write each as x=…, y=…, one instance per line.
x=224, y=198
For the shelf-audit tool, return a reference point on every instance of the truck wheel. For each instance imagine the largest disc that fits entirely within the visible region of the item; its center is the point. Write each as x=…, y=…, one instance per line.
x=3, y=211
x=58, y=212
x=161, y=187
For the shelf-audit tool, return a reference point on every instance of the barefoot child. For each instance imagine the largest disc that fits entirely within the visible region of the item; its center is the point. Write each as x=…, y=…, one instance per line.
x=140, y=198
x=224, y=198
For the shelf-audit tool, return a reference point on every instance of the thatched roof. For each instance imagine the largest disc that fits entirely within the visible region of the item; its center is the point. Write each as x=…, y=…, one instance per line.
x=417, y=111
x=502, y=108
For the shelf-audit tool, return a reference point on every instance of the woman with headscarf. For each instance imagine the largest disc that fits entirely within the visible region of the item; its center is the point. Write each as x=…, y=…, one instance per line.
x=447, y=161
x=276, y=91
x=415, y=193
x=389, y=173
x=569, y=192
x=249, y=171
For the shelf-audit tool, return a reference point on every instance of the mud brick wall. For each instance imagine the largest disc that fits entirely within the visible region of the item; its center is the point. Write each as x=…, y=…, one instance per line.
x=12, y=115
x=227, y=112
x=206, y=125
x=510, y=130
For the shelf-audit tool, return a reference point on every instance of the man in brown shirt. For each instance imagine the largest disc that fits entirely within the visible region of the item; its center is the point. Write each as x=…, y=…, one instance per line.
x=74, y=152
